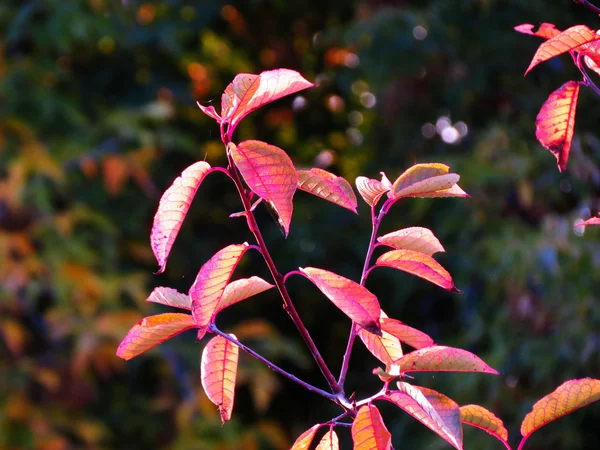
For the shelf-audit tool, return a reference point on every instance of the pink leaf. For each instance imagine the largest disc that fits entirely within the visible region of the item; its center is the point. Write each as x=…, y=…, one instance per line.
x=568, y=397
x=406, y=334
x=546, y=30
x=218, y=370
x=329, y=442
x=305, y=439
x=170, y=297
x=269, y=172
x=173, y=208
x=478, y=416
x=410, y=399
x=418, y=264
x=415, y=238
x=370, y=190
x=239, y=290
x=369, y=431
x=328, y=186
x=555, y=122
x=386, y=347
x=439, y=358
x=210, y=112
x=248, y=92
x=590, y=221
x=213, y=277
x=571, y=39
x=350, y=297
x=447, y=409
x=151, y=331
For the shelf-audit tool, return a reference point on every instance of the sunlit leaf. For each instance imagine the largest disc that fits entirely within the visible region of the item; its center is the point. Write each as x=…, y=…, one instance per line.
x=213, y=277
x=328, y=186
x=590, y=221
x=241, y=289
x=411, y=400
x=370, y=190
x=369, y=431
x=417, y=174
x=269, y=172
x=406, y=334
x=350, y=297
x=305, y=439
x=454, y=191
x=329, y=442
x=480, y=417
x=546, y=30
x=439, y=358
x=556, y=120
x=151, y=331
x=568, y=397
x=447, y=409
x=218, y=370
x=570, y=39
x=173, y=208
x=428, y=187
x=418, y=264
x=386, y=347
x=170, y=297
x=414, y=238
x=210, y=112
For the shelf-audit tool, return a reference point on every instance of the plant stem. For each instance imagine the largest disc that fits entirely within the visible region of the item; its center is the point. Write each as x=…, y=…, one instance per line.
x=277, y=277
x=588, y=5
x=376, y=221
x=587, y=81
x=213, y=328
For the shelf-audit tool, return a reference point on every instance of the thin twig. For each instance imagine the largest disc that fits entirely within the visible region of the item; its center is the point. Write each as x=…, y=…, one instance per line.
x=588, y=5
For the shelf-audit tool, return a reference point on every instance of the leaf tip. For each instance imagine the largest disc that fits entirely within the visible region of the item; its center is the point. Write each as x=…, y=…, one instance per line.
x=455, y=290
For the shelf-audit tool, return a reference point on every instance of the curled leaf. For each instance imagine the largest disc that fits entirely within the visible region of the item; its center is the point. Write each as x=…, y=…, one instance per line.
x=172, y=209
x=478, y=416
x=305, y=439
x=218, y=370
x=369, y=431
x=556, y=120
x=271, y=175
x=328, y=186
x=546, y=30
x=151, y=331
x=438, y=358
x=210, y=112
x=370, y=190
x=415, y=238
x=170, y=297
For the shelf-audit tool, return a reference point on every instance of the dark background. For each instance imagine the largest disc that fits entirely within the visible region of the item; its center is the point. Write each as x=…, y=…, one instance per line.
x=98, y=116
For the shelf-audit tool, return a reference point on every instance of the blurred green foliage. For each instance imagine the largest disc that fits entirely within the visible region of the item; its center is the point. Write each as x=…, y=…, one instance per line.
x=98, y=116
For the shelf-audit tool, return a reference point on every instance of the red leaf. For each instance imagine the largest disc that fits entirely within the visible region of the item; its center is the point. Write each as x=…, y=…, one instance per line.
x=170, y=297
x=546, y=30
x=370, y=190
x=369, y=431
x=556, y=120
x=415, y=238
x=210, y=112
x=329, y=442
x=350, y=297
x=413, y=402
x=151, y=331
x=213, y=277
x=568, y=397
x=439, y=358
x=418, y=264
x=241, y=289
x=590, y=221
x=305, y=439
x=328, y=186
x=218, y=370
x=386, y=347
x=571, y=39
x=248, y=92
x=172, y=209
x=447, y=409
x=269, y=172
x=406, y=334
x=480, y=417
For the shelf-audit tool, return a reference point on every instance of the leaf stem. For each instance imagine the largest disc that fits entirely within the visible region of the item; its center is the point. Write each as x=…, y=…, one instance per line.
x=213, y=328
x=587, y=81
x=588, y=5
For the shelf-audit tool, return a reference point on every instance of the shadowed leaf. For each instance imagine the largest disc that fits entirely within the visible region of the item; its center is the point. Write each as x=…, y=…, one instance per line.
x=418, y=264
x=480, y=417
x=406, y=334
x=305, y=439
x=218, y=369
x=173, y=208
x=269, y=172
x=386, y=348
x=439, y=358
x=556, y=120
x=415, y=238
x=170, y=297
x=329, y=442
x=350, y=297
x=447, y=409
x=328, y=186
x=546, y=30
x=370, y=190
x=151, y=331
x=369, y=431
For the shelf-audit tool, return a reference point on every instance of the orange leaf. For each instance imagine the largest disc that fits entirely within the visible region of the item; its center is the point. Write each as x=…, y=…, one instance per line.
x=418, y=264
x=328, y=186
x=556, y=120
x=568, y=397
x=546, y=30
x=213, y=277
x=480, y=417
x=370, y=190
x=350, y=297
x=417, y=174
x=241, y=289
x=151, y=331
x=172, y=209
x=415, y=238
x=406, y=334
x=218, y=370
x=386, y=348
x=369, y=431
x=329, y=442
x=305, y=439
x=454, y=191
x=269, y=172
x=170, y=297
x=571, y=39
x=447, y=409
x=439, y=358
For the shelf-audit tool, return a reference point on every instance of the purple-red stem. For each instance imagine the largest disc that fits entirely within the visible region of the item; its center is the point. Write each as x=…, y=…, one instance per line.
x=587, y=80
x=277, y=277
x=588, y=5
